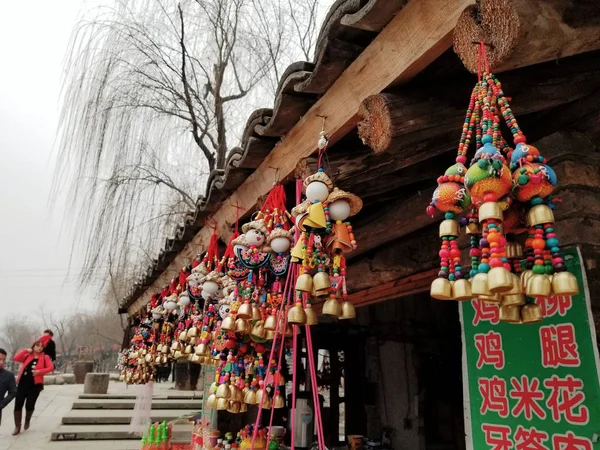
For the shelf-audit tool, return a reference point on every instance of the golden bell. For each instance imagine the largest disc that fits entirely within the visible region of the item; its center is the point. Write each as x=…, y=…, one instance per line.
x=297, y=254
x=175, y=345
x=149, y=358
x=234, y=407
x=157, y=360
x=193, y=340
x=243, y=407
x=164, y=359
x=222, y=404
x=316, y=216
x=196, y=359
x=311, y=315
x=499, y=280
x=514, y=250
x=531, y=313
x=449, y=227
x=228, y=324
x=479, y=285
x=296, y=315
x=223, y=391
x=525, y=276
x=510, y=314
x=321, y=281
x=289, y=331
x=512, y=300
x=259, y=395
x=278, y=401
x=183, y=336
x=267, y=403
x=564, y=283
x=538, y=285
x=348, y=310
x=250, y=397
x=258, y=330
x=441, y=289
x=256, y=315
x=304, y=283
x=319, y=293
x=242, y=326
x=539, y=215
x=192, y=332
x=236, y=393
x=201, y=349
x=491, y=298
x=516, y=288
x=490, y=210
x=244, y=311
x=270, y=335
x=332, y=308
x=271, y=323
x=188, y=350
x=473, y=228
x=461, y=290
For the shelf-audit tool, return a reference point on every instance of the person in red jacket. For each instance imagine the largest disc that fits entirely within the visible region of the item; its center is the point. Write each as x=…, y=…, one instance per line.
x=30, y=381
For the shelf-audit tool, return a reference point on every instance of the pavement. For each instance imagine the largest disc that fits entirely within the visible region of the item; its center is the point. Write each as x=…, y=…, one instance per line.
x=54, y=403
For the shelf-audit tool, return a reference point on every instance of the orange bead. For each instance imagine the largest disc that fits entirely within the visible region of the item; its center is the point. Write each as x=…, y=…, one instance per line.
x=538, y=243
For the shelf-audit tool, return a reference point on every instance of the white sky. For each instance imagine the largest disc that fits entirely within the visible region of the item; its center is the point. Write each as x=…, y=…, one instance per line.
x=34, y=257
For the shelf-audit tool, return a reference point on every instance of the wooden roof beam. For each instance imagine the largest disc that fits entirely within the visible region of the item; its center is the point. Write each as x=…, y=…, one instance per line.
x=415, y=37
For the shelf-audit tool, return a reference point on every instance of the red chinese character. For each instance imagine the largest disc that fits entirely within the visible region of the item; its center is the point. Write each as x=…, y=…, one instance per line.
x=485, y=312
x=493, y=393
x=559, y=346
x=560, y=304
x=570, y=442
x=497, y=436
x=527, y=394
x=490, y=350
x=531, y=439
x=566, y=399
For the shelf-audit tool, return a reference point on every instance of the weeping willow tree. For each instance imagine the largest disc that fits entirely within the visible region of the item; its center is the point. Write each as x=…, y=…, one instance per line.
x=153, y=92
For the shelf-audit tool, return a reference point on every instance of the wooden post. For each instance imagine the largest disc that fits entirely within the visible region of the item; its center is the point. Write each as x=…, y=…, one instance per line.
x=519, y=33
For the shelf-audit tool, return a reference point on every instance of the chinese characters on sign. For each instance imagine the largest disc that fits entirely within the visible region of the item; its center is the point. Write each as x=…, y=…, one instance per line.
x=535, y=386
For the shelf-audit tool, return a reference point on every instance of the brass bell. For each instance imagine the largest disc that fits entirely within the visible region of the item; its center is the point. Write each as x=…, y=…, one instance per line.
x=196, y=359
x=157, y=360
x=441, y=289
x=321, y=281
x=243, y=407
x=256, y=315
x=278, y=401
x=449, y=227
x=188, y=350
x=201, y=349
x=348, y=310
x=304, y=283
x=516, y=288
x=242, y=326
x=531, y=313
x=491, y=298
x=175, y=345
x=234, y=407
x=539, y=215
x=479, y=285
x=192, y=332
x=164, y=359
x=258, y=330
x=271, y=323
x=510, y=314
x=311, y=315
x=223, y=391
x=244, y=311
x=564, y=283
x=499, y=280
x=320, y=293
x=490, y=210
x=514, y=250
x=192, y=340
x=461, y=290
x=538, y=285
x=259, y=395
x=289, y=331
x=332, y=308
x=250, y=397
x=149, y=358
x=228, y=324
x=222, y=404
x=525, y=276
x=512, y=300
x=296, y=315
x=270, y=335
x=178, y=354
x=267, y=403
x=236, y=393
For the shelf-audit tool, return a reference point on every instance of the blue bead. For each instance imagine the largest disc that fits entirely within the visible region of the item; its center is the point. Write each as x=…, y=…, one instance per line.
x=486, y=139
x=536, y=201
x=449, y=215
x=451, y=277
x=555, y=249
x=552, y=242
x=484, y=268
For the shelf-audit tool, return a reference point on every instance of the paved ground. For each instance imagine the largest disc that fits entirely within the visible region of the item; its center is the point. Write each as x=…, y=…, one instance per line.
x=53, y=404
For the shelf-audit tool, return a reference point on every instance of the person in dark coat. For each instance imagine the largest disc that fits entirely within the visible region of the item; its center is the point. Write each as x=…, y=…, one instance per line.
x=30, y=381
x=50, y=348
x=8, y=386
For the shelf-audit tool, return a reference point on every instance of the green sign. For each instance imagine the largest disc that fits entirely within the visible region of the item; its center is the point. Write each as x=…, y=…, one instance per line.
x=533, y=386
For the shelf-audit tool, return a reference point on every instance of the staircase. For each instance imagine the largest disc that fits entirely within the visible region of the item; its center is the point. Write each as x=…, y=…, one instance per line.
x=107, y=418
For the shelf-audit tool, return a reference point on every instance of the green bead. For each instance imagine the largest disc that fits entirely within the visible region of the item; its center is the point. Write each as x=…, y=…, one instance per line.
x=539, y=269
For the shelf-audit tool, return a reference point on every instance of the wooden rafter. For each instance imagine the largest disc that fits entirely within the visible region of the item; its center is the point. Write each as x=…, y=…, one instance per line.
x=416, y=36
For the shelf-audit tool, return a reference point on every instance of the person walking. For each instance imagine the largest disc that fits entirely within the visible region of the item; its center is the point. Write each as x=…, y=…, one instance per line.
x=30, y=381
x=8, y=386
x=50, y=348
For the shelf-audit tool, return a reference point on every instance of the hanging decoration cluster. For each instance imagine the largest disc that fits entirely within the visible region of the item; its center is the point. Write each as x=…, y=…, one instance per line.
x=505, y=191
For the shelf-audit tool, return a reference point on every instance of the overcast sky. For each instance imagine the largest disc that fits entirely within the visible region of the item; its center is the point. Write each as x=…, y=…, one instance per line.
x=34, y=257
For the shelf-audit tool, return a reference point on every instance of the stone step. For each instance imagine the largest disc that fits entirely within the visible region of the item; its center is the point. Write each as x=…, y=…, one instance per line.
x=195, y=405
x=125, y=444
x=117, y=417
x=174, y=396
x=181, y=432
